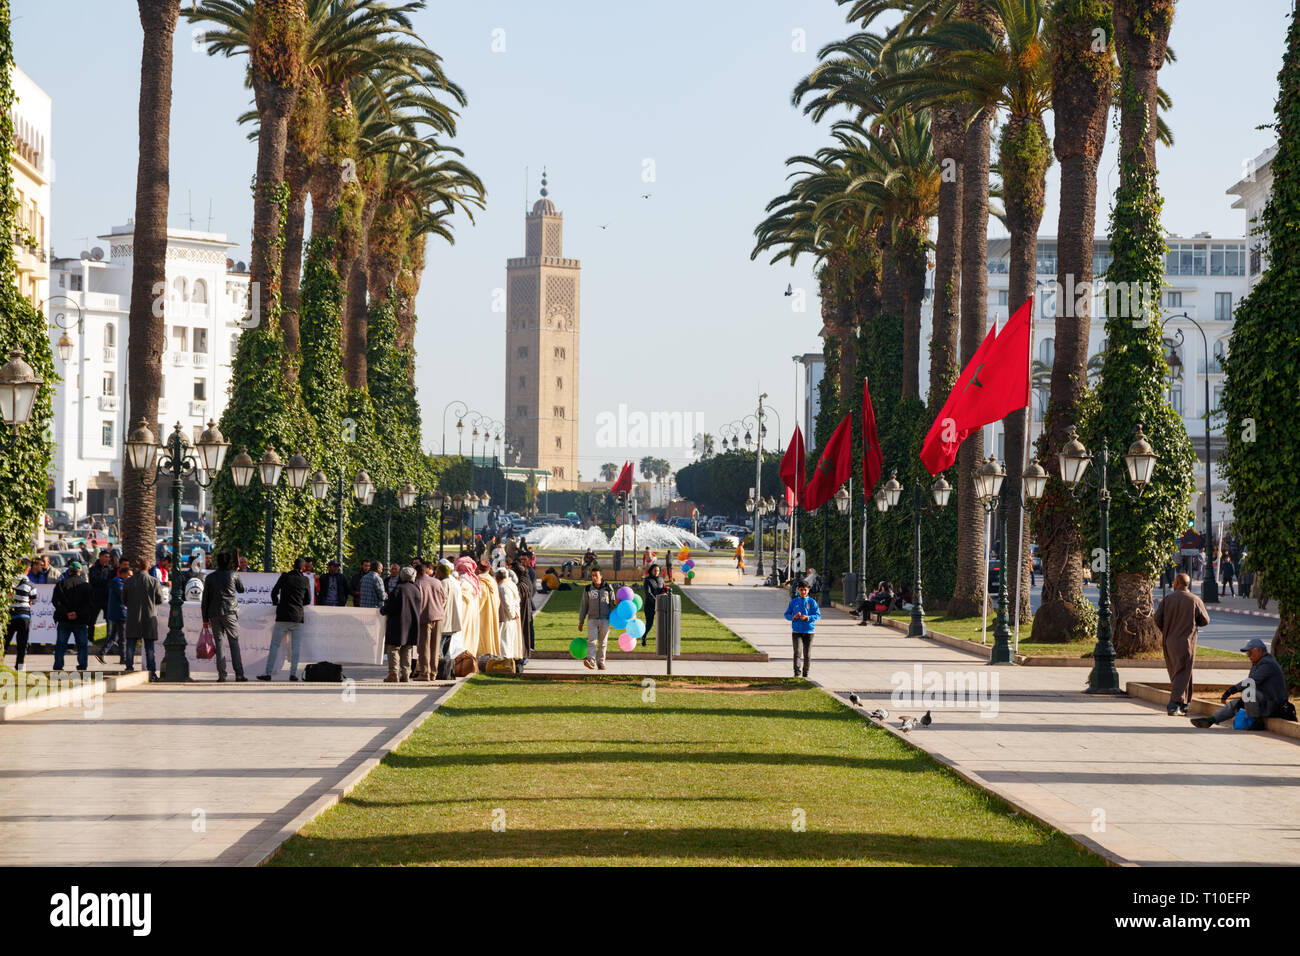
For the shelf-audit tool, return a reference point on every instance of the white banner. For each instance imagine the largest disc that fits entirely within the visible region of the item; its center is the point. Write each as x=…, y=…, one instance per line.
x=344, y=635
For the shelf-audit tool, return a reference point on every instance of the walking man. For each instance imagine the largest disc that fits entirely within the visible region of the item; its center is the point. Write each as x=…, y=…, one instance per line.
x=370, y=589
x=221, y=614
x=451, y=622
x=402, y=630
x=1178, y=616
x=142, y=593
x=432, y=609
x=100, y=575
x=290, y=595
x=115, y=614
x=803, y=613
x=20, y=619
x=74, y=605
x=597, y=601
x=1228, y=571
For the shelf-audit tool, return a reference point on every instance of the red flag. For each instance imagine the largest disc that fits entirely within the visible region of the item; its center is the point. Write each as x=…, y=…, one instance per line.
x=792, y=467
x=994, y=383
x=623, y=486
x=873, y=462
x=834, y=467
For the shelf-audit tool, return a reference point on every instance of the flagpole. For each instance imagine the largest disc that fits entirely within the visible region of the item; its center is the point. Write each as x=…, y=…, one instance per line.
x=1024, y=463
x=984, y=584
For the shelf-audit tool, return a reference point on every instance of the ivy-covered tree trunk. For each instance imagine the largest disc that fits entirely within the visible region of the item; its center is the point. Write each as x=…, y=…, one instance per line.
x=1134, y=372
x=1024, y=156
x=1082, y=80
x=306, y=128
x=910, y=253
x=25, y=454
x=1262, y=382
x=968, y=592
x=147, y=330
x=948, y=124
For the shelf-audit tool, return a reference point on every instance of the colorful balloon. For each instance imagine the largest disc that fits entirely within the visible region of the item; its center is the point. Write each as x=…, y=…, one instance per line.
x=625, y=593
x=638, y=601
x=578, y=648
x=617, y=619
x=627, y=642
x=635, y=629
x=628, y=610
x=690, y=574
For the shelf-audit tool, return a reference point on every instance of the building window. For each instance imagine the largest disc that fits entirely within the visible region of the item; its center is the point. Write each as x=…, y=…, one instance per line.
x=201, y=341
x=234, y=346
x=521, y=411
x=559, y=383
x=523, y=381
x=110, y=335
x=559, y=471
x=1049, y=304
x=559, y=352
x=1003, y=297
x=559, y=443
x=200, y=292
x=110, y=383
x=1176, y=398
x=1186, y=259
x=1223, y=306
x=182, y=337
x=178, y=290
x=1218, y=397
x=558, y=411
x=1227, y=259
x=106, y=436
x=74, y=283
x=200, y=389
x=1047, y=351
x=521, y=352
x=1174, y=300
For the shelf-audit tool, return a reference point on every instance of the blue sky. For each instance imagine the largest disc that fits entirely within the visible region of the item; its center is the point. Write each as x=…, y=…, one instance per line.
x=675, y=316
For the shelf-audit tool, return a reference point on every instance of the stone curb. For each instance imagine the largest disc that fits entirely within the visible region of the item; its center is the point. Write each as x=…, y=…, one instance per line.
x=97, y=686
x=1159, y=694
x=755, y=658
x=267, y=848
x=1214, y=608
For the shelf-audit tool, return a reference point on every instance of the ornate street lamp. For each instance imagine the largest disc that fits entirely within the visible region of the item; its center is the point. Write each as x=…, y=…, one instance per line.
x=1139, y=462
x=19, y=384
x=177, y=459
x=887, y=497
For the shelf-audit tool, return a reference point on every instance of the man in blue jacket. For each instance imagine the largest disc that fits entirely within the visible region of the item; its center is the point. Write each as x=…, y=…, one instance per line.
x=802, y=612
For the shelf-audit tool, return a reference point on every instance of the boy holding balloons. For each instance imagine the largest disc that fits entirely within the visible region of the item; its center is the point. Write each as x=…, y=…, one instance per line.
x=598, y=601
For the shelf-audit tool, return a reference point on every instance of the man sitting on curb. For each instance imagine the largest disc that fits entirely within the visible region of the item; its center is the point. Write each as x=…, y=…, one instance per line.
x=1263, y=692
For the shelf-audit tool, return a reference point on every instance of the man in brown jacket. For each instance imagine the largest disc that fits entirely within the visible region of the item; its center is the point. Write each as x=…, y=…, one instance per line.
x=432, y=601
x=1178, y=616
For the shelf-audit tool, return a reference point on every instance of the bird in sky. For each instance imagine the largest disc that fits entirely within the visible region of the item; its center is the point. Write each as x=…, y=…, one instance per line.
x=646, y=195
x=789, y=289
x=606, y=226
x=907, y=723
x=926, y=721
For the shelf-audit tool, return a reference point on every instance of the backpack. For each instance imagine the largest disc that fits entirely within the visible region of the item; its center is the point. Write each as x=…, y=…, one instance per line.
x=445, y=669
x=464, y=665
x=323, y=672
x=499, y=665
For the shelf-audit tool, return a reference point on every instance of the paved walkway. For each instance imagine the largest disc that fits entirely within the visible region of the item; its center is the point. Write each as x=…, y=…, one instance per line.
x=205, y=774
x=1116, y=773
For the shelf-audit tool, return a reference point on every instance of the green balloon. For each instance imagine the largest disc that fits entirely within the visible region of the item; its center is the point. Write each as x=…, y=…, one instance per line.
x=578, y=648
x=690, y=574
x=636, y=599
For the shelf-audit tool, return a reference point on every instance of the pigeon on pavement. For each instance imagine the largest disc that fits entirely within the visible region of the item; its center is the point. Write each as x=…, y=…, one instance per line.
x=907, y=723
x=880, y=713
x=926, y=721
x=853, y=699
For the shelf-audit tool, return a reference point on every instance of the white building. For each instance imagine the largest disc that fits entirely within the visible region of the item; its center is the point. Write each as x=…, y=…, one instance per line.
x=90, y=300
x=33, y=172
x=1253, y=190
x=814, y=369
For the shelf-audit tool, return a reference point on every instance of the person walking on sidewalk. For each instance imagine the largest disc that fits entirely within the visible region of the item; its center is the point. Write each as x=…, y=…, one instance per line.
x=1178, y=616
x=803, y=613
x=1266, y=685
x=1228, y=571
x=20, y=619
x=402, y=628
x=115, y=614
x=221, y=613
x=653, y=587
x=597, y=601
x=433, y=604
x=290, y=595
x=142, y=593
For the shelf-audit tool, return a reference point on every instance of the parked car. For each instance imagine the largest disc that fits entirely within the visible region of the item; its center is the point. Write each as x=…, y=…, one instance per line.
x=719, y=539
x=57, y=520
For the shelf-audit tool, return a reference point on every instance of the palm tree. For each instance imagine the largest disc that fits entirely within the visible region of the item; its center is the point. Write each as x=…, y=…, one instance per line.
x=147, y=336
x=1083, y=79
x=608, y=471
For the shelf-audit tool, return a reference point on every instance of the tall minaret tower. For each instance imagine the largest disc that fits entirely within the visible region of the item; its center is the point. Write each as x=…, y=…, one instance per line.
x=542, y=296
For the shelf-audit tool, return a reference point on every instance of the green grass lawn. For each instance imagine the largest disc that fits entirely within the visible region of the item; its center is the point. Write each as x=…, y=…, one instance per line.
x=557, y=624
x=586, y=772
x=968, y=629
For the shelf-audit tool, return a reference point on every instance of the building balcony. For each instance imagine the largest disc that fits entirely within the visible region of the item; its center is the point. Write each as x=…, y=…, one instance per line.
x=180, y=359
x=198, y=409
x=200, y=359
x=108, y=403
x=110, y=355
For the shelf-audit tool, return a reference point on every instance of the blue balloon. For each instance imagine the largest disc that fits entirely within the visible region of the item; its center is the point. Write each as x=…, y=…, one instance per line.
x=617, y=619
x=627, y=610
x=636, y=628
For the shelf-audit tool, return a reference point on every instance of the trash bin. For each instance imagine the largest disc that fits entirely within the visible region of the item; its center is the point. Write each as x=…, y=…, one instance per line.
x=851, y=589
x=668, y=623
x=618, y=561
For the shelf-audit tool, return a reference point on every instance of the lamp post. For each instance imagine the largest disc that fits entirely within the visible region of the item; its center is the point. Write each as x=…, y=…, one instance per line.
x=1139, y=462
x=19, y=384
x=783, y=512
x=177, y=459
x=989, y=479
x=320, y=489
x=1209, y=582
x=388, y=500
x=439, y=502
x=889, y=495
x=268, y=468
x=460, y=423
x=843, y=500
